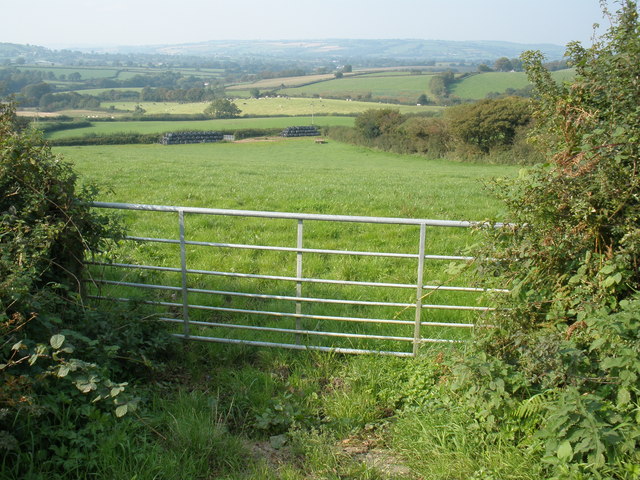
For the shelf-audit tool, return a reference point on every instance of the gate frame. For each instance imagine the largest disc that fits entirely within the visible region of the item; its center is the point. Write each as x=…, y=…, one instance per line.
x=299, y=279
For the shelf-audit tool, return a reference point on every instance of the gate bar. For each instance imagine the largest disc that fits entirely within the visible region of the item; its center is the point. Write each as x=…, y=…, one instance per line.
x=419, y=283
x=299, y=276
x=295, y=279
x=183, y=265
x=296, y=216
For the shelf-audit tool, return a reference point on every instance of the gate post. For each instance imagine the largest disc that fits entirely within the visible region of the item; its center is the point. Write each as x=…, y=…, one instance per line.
x=419, y=284
x=299, y=276
x=183, y=268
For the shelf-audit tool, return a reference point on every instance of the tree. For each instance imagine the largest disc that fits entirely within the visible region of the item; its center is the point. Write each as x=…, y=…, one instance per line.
x=489, y=123
x=503, y=64
x=33, y=92
x=440, y=84
x=222, y=108
x=423, y=100
x=254, y=92
x=426, y=135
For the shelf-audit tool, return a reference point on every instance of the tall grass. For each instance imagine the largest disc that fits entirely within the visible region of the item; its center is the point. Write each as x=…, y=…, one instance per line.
x=185, y=437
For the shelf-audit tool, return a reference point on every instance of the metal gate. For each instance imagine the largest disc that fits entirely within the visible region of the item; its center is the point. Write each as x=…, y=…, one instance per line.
x=184, y=284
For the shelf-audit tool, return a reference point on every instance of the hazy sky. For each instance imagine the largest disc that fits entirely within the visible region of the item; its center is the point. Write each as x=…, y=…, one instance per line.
x=57, y=23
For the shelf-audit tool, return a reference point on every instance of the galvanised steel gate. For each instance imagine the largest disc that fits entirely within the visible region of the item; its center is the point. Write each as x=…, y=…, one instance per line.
x=211, y=317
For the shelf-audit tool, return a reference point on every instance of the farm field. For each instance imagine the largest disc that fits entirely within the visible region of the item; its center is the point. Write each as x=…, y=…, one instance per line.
x=276, y=83
x=151, y=127
x=477, y=87
x=360, y=181
x=119, y=72
x=85, y=72
x=99, y=91
x=269, y=106
x=296, y=175
x=402, y=88
x=388, y=73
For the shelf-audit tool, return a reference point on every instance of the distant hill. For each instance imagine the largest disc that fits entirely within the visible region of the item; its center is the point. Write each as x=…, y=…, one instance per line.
x=352, y=51
x=439, y=50
x=15, y=50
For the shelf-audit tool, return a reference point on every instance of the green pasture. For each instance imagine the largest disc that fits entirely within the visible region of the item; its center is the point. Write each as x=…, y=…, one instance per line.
x=127, y=74
x=402, y=88
x=297, y=175
x=200, y=72
x=130, y=72
x=238, y=93
x=478, y=86
x=276, y=83
x=390, y=73
x=157, y=107
x=100, y=91
x=308, y=106
x=150, y=127
x=335, y=178
x=267, y=106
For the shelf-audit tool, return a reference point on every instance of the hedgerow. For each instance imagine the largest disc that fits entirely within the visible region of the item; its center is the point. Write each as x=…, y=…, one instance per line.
x=564, y=364
x=57, y=357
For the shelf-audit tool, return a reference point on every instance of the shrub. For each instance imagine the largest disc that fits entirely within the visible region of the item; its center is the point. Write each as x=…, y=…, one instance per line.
x=572, y=261
x=488, y=124
x=56, y=357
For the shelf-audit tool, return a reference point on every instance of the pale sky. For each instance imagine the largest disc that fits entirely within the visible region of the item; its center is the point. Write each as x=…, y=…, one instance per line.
x=67, y=23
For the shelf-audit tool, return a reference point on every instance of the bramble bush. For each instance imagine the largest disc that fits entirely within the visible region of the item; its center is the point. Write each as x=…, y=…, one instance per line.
x=57, y=357
x=569, y=330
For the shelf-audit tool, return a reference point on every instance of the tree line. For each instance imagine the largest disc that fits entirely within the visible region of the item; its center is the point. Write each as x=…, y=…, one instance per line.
x=493, y=128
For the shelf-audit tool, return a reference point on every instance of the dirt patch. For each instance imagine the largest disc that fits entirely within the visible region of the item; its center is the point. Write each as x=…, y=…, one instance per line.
x=259, y=139
x=369, y=451
x=274, y=457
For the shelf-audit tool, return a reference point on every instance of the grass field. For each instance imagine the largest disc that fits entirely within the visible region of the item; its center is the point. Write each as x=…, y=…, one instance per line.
x=269, y=106
x=334, y=178
x=232, y=403
x=276, y=83
x=403, y=88
x=99, y=91
x=387, y=74
x=121, y=73
x=478, y=86
x=301, y=176
x=150, y=127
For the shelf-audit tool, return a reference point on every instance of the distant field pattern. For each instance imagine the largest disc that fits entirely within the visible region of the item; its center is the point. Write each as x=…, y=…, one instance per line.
x=147, y=127
x=402, y=88
x=479, y=86
x=268, y=106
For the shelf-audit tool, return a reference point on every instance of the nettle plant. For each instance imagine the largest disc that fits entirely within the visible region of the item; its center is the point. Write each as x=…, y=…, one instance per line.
x=572, y=261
